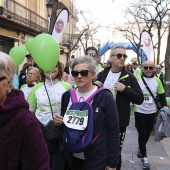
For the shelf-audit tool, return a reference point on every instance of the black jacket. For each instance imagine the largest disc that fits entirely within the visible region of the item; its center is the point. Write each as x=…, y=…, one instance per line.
x=105, y=150
x=22, y=76
x=131, y=93
x=161, y=77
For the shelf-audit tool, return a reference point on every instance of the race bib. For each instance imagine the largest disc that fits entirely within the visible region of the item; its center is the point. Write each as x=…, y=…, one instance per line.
x=148, y=99
x=76, y=119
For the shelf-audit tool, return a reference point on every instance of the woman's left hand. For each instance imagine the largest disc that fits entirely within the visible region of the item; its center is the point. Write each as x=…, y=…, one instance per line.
x=58, y=120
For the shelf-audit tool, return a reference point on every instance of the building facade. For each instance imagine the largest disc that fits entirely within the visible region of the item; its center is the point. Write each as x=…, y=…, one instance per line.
x=23, y=19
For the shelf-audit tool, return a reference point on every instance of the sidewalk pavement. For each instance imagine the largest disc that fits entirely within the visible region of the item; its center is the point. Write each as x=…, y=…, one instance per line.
x=158, y=152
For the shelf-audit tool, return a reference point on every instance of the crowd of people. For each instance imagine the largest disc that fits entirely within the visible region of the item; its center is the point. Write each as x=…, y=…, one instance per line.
x=35, y=113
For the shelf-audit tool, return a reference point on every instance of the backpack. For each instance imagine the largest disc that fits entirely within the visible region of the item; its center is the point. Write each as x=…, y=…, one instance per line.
x=78, y=120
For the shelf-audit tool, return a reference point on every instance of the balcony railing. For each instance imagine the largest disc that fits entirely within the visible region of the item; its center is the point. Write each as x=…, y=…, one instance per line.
x=26, y=17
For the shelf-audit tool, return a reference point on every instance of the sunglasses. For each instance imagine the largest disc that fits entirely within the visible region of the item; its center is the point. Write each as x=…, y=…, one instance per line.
x=119, y=56
x=2, y=78
x=83, y=73
x=146, y=68
x=31, y=74
x=92, y=54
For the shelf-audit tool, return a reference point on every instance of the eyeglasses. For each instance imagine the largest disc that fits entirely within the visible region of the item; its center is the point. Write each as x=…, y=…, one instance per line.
x=119, y=56
x=2, y=78
x=31, y=74
x=92, y=54
x=29, y=58
x=146, y=68
x=83, y=73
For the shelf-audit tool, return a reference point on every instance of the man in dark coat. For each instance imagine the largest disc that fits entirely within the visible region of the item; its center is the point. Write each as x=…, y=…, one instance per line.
x=124, y=87
x=159, y=73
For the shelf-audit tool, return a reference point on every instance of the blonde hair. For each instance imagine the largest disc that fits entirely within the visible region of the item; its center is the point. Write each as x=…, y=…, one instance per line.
x=37, y=72
x=7, y=65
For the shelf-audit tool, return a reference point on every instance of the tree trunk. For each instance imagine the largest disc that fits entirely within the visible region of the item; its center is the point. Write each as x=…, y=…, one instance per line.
x=167, y=67
x=159, y=46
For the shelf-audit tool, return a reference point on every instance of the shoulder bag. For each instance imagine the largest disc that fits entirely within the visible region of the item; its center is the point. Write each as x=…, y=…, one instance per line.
x=156, y=99
x=51, y=132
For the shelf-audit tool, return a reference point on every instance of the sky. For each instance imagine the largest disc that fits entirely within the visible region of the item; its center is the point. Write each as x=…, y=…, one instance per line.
x=104, y=11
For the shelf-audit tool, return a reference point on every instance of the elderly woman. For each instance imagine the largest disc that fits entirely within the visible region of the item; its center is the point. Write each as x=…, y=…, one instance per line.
x=45, y=103
x=22, y=142
x=33, y=77
x=104, y=152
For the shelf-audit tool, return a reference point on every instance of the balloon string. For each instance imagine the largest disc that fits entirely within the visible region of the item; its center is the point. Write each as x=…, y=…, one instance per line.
x=54, y=93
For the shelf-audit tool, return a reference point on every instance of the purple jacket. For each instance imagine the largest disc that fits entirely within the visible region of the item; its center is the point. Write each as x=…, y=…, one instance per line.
x=22, y=145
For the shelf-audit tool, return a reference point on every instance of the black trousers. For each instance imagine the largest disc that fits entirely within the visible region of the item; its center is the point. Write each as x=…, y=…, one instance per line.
x=57, y=160
x=144, y=124
x=80, y=164
x=122, y=138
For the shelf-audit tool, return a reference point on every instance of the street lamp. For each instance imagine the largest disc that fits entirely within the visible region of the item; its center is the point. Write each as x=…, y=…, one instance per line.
x=141, y=47
x=98, y=46
x=49, y=6
x=86, y=37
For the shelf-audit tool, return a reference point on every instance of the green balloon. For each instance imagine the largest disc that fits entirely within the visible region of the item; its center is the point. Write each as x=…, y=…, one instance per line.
x=168, y=101
x=28, y=44
x=17, y=54
x=45, y=52
x=24, y=48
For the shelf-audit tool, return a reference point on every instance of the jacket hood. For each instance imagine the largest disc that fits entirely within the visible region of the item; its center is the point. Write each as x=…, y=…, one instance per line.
x=15, y=101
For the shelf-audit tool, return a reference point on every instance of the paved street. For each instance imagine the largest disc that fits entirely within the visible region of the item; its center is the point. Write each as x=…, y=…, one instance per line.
x=158, y=152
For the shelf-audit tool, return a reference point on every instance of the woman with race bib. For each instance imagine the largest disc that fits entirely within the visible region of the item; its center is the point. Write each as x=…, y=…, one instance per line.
x=103, y=152
x=45, y=103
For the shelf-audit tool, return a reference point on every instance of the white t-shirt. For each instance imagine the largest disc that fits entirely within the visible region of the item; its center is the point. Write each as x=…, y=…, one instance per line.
x=158, y=74
x=26, y=90
x=148, y=106
x=39, y=102
x=110, y=81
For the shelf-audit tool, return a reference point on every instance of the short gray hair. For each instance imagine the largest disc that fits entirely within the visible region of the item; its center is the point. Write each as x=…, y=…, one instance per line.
x=7, y=65
x=85, y=59
x=112, y=51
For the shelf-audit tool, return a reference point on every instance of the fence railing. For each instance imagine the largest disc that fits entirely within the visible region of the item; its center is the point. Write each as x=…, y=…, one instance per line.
x=24, y=16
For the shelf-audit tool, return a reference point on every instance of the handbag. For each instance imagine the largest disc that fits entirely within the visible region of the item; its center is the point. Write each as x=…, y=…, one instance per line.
x=156, y=99
x=51, y=132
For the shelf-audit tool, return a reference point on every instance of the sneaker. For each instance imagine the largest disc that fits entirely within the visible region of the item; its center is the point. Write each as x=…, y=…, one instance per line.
x=139, y=155
x=145, y=163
